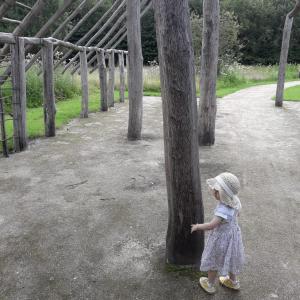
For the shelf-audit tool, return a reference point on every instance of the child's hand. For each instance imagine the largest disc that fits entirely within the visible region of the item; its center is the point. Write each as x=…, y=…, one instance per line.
x=194, y=227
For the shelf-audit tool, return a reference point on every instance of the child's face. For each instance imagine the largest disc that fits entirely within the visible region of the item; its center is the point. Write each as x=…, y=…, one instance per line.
x=216, y=194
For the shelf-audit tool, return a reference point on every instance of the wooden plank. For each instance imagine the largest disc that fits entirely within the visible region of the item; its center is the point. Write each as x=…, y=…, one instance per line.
x=12, y=21
x=23, y=5
x=122, y=77
x=103, y=79
x=135, y=72
x=84, y=85
x=111, y=80
x=19, y=94
x=49, y=96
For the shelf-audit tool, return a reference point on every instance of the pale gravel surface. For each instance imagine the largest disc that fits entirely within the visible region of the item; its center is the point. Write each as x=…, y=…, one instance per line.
x=84, y=215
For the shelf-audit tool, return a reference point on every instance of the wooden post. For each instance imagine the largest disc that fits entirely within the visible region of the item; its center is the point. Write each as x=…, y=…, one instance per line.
x=283, y=59
x=103, y=79
x=2, y=127
x=209, y=72
x=111, y=79
x=19, y=94
x=177, y=73
x=84, y=85
x=49, y=96
x=122, y=77
x=135, y=72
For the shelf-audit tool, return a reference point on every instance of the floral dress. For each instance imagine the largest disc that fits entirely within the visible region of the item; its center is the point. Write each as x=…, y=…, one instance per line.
x=224, y=250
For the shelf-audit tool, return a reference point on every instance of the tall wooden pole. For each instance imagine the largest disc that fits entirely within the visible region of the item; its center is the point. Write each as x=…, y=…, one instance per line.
x=19, y=94
x=122, y=77
x=103, y=80
x=84, y=85
x=135, y=72
x=49, y=96
x=111, y=80
x=209, y=67
x=177, y=73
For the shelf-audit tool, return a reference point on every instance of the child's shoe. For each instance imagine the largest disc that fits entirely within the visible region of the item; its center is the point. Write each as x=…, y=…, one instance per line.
x=226, y=281
x=206, y=285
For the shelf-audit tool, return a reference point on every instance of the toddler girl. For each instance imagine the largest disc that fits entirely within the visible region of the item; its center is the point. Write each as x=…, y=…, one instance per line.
x=224, y=252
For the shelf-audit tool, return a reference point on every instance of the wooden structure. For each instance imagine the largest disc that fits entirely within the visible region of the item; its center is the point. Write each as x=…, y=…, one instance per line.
x=93, y=50
x=288, y=25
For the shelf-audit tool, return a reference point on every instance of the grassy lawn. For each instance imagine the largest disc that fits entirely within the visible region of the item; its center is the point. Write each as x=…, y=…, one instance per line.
x=292, y=93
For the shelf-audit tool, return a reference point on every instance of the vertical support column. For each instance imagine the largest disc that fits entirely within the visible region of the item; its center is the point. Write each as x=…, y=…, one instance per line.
x=111, y=80
x=283, y=59
x=49, y=96
x=19, y=94
x=126, y=70
x=2, y=127
x=103, y=79
x=122, y=77
x=135, y=73
x=209, y=72
x=84, y=85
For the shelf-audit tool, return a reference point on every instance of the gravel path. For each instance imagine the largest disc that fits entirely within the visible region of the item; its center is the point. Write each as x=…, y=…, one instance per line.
x=84, y=215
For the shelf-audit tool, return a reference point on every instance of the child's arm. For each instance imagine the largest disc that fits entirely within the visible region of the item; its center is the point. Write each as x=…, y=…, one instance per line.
x=207, y=226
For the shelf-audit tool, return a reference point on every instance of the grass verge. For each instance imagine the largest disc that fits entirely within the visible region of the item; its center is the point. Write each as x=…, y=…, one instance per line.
x=292, y=93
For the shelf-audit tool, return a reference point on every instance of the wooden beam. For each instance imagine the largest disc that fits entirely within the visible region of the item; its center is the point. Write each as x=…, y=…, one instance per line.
x=12, y=21
x=87, y=35
x=2, y=127
x=19, y=94
x=102, y=29
x=122, y=77
x=295, y=11
x=23, y=5
x=49, y=96
x=57, y=31
x=84, y=85
x=111, y=80
x=123, y=33
x=135, y=85
x=103, y=79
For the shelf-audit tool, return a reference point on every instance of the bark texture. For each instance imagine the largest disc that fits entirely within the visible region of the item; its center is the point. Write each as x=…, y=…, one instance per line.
x=209, y=72
x=19, y=94
x=49, y=96
x=180, y=131
x=84, y=85
x=103, y=80
x=122, y=77
x=135, y=71
x=111, y=80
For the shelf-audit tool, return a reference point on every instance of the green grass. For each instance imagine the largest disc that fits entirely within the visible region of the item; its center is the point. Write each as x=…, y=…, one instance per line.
x=292, y=93
x=66, y=111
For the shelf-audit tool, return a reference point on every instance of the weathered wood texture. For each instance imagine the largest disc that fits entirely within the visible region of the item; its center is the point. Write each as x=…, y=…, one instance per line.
x=135, y=77
x=19, y=94
x=209, y=71
x=283, y=59
x=111, y=80
x=84, y=85
x=180, y=131
x=103, y=80
x=296, y=10
x=122, y=77
x=49, y=96
x=2, y=127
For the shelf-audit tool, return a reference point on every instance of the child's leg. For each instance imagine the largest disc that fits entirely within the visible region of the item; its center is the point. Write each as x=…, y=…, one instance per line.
x=212, y=276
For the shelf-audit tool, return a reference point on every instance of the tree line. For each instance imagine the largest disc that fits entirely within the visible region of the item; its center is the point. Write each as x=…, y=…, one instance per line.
x=251, y=30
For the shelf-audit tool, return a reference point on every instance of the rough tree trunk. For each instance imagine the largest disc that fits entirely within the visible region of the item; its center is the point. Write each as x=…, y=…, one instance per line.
x=135, y=76
x=209, y=72
x=177, y=73
x=288, y=25
x=103, y=80
x=84, y=85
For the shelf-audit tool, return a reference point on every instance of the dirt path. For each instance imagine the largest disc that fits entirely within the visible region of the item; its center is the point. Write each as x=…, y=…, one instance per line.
x=84, y=215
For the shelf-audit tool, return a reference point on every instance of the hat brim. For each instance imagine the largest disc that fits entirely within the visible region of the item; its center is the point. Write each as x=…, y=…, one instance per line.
x=213, y=184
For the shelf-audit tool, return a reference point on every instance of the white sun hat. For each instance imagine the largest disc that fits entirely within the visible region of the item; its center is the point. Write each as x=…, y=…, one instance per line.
x=228, y=187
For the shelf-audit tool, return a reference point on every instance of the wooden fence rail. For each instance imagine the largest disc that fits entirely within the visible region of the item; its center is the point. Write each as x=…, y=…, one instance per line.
x=18, y=75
